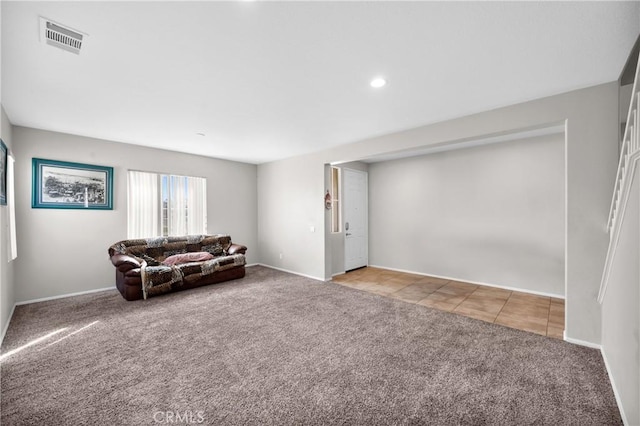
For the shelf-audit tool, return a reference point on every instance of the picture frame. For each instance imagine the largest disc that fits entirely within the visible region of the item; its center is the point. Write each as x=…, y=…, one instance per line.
x=66, y=185
x=3, y=173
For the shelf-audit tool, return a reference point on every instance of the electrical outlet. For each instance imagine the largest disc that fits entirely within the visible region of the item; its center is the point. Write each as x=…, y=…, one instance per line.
x=280, y=255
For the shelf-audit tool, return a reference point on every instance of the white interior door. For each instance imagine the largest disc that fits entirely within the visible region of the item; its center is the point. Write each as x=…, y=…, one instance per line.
x=355, y=210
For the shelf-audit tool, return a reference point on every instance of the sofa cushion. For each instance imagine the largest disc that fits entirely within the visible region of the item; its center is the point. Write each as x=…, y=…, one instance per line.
x=217, y=245
x=222, y=263
x=199, y=256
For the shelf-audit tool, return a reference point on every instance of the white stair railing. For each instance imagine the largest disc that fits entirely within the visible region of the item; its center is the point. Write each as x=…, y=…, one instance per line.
x=629, y=155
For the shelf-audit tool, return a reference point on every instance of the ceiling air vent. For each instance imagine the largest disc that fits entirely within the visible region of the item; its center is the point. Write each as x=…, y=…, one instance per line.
x=60, y=36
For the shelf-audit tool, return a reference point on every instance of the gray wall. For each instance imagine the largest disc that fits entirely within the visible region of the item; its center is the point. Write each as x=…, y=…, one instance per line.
x=7, y=292
x=492, y=214
x=65, y=251
x=291, y=202
x=290, y=191
x=620, y=316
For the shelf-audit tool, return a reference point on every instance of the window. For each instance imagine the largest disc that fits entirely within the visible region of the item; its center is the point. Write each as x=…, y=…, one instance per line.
x=335, y=200
x=11, y=195
x=163, y=204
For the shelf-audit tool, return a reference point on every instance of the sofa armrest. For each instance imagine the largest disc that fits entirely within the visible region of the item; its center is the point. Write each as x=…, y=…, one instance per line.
x=125, y=263
x=237, y=249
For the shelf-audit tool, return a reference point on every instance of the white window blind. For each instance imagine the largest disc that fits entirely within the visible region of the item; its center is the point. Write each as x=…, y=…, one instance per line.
x=196, y=206
x=163, y=204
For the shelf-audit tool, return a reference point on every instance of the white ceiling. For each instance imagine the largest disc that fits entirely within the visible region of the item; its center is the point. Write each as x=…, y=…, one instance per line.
x=269, y=80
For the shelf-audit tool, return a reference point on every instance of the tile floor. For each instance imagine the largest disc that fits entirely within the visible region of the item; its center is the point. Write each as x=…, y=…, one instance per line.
x=536, y=314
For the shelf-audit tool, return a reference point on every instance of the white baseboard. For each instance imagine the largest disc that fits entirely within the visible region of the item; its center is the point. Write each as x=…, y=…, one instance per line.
x=613, y=386
x=291, y=272
x=536, y=293
x=62, y=296
x=580, y=342
x=338, y=273
x=6, y=327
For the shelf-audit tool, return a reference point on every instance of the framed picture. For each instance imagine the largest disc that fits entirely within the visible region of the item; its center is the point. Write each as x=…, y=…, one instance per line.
x=3, y=174
x=64, y=185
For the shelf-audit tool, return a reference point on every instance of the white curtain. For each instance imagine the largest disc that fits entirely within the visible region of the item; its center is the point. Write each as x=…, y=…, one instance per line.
x=196, y=206
x=143, y=205
x=11, y=201
x=177, y=205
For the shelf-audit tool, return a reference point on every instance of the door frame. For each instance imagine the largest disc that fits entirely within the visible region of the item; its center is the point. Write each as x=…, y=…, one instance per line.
x=343, y=203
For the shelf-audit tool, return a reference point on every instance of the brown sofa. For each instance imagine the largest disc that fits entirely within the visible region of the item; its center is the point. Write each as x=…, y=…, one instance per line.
x=140, y=271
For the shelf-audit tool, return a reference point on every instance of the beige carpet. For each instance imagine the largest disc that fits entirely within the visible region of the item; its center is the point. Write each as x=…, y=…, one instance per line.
x=275, y=348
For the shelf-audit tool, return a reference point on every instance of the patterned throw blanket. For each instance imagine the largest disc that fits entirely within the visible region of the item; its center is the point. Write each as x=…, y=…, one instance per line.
x=159, y=278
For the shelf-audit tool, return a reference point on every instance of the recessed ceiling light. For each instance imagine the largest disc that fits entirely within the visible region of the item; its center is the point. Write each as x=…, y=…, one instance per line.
x=378, y=82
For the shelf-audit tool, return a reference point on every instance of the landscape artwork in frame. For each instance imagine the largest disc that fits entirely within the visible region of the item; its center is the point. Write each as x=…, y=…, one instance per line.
x=65, y=185
x=3, y=174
